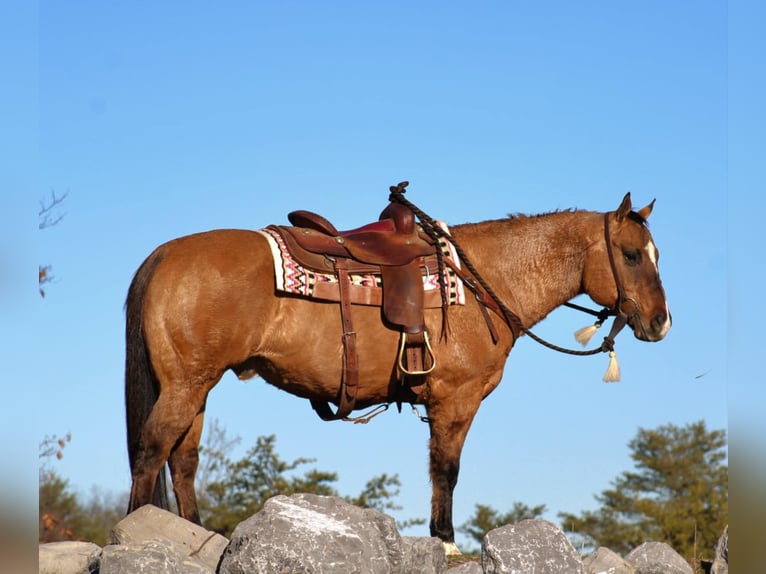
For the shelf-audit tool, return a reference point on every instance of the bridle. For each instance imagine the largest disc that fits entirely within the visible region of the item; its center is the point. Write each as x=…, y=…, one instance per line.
x=620, y=317
x=488, y=299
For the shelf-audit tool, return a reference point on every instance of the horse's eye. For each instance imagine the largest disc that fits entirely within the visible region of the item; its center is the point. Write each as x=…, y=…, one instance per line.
x=632, y=256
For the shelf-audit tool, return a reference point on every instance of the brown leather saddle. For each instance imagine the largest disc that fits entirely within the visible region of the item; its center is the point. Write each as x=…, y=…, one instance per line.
x=392, y=247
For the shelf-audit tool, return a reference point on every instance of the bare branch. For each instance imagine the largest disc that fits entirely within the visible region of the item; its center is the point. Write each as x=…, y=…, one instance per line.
x=48, y=218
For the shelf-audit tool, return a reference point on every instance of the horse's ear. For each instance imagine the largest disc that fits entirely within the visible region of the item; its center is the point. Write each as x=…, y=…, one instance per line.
x=625, y=207
x=645, y=212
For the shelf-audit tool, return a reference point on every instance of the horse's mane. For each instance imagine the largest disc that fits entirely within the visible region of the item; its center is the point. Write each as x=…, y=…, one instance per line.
x=633, y=216
x=518, y=215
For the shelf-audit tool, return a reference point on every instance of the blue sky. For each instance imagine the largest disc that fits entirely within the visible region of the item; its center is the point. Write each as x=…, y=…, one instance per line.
x=160, y=120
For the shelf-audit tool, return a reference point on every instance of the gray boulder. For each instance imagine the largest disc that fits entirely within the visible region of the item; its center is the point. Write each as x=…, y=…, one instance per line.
x=314, y=534
x=149, y=556
x=657, y=558
x=604, y=561
x=68, y=557
x=467, y=568
x=423, y=555
x=721, y=559
x=152, y=523
x=530, y=546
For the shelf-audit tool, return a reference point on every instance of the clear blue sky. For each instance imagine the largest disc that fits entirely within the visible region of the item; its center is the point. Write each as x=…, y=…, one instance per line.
x=163, y=119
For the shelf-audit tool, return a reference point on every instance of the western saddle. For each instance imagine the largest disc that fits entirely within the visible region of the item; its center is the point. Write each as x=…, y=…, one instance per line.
x=392, y=247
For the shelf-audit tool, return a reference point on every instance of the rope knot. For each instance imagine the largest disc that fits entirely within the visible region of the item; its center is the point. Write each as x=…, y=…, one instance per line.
x=397, y=190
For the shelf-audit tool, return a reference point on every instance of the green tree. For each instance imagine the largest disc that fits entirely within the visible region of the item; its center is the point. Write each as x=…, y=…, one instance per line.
x=58, y=510
x=678, y=494
x=486, y=518
x=235, y=490
x=62, y=516
x=379, y=493
x=247, y=484
x=102, y=511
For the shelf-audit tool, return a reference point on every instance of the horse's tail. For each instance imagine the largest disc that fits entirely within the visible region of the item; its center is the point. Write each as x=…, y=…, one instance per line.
x=141, y=384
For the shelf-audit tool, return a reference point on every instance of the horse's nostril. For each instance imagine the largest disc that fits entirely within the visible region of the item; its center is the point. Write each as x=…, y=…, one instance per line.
x=659, y=321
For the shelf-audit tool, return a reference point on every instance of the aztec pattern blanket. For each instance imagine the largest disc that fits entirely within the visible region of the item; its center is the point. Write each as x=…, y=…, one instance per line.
x=295, y=279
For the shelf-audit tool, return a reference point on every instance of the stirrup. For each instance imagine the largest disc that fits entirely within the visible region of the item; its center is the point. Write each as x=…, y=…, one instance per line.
x=430, y=354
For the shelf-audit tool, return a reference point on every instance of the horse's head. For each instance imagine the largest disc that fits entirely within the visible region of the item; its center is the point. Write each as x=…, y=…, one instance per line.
x=621, y=272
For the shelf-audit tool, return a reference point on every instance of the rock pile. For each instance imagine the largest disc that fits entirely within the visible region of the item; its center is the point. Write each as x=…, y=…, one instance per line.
x=314, y=534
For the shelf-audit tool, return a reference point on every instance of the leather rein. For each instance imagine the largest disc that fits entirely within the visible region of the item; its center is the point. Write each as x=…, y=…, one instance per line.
x=489, y=300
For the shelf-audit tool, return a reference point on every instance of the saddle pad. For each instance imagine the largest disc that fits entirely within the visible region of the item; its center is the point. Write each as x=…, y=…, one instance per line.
x=366, y=289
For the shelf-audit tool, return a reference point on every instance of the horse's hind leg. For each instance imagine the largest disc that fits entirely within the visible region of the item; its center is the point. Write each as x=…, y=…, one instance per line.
x=183, y=462
x=171, y=419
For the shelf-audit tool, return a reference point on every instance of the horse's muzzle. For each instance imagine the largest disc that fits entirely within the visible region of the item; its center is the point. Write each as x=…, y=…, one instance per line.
x=657, y=328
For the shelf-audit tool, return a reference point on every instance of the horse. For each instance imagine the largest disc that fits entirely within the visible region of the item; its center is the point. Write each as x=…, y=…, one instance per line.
x=203, y=304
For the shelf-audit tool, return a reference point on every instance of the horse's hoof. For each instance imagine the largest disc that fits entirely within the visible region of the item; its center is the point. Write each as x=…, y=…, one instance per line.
x=450, y=549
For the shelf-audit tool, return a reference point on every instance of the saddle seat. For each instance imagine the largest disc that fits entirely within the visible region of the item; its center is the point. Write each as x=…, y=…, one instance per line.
x=393, y=240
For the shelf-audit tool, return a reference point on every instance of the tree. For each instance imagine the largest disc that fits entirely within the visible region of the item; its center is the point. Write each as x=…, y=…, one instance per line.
x=247, y=484
x=486, y=518
x=678, y=494
x=61, y=514
x=228, y=491
x=58, y=511
x=379, y=493
x=235, y=490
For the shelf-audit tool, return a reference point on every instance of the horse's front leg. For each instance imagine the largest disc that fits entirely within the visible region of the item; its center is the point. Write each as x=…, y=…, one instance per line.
x=449, y=421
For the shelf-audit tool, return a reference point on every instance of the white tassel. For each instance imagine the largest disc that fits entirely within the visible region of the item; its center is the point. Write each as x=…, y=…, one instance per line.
x=612, y=374
x=584, y=335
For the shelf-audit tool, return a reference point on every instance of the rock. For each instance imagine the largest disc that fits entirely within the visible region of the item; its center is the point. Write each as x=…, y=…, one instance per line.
x=149, y=556
x=721, y=559
x=467, y=568
x=67, y=557
x=152, y=523
x=604, y=561
x=314, y=534
x=423, y=555
x=530, y=546
x=657, y=558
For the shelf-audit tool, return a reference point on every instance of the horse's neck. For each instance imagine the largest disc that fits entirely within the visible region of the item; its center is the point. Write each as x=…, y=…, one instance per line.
x=533, y=263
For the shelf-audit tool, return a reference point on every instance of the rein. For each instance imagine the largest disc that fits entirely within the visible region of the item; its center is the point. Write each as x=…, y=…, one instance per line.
x=488, y=298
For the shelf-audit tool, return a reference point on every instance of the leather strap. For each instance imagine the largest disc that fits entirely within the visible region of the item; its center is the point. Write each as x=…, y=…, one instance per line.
x=350, y=377
x=486, y=302
x=613, y=265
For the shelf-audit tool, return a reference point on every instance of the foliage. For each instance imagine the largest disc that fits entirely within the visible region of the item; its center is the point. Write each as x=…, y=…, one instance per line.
x=678, y=494
x=232, y=491
x=486, y=518
x=379, y=493
x=61, y=514
x=228, y=491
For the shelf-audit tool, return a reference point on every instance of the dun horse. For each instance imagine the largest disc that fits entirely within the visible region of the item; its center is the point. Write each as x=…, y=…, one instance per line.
x=205, y=303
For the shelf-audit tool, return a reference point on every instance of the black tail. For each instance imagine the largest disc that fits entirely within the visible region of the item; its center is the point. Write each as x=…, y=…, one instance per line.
x=141, y=385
